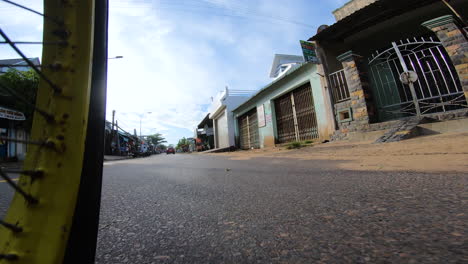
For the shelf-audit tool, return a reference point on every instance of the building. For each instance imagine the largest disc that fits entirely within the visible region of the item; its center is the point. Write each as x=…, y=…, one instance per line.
x=204, y=133
x=221, y=114
x=291, y=108
x=283, y=63
x=18, y=64
x=12, y=120
x=389, y=60
x=10, y=127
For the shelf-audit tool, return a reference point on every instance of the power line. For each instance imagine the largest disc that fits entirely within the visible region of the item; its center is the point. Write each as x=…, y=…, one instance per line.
x=243, y=8
x=234, y=10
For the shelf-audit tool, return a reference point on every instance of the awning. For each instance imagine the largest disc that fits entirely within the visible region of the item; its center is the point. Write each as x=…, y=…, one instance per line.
x=372, y=14
x=108, y=125
x=206, y=121
x=11, y=114
x=126, y=136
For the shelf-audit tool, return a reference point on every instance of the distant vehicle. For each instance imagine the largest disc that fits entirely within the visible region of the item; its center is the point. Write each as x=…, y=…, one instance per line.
x=170, y=150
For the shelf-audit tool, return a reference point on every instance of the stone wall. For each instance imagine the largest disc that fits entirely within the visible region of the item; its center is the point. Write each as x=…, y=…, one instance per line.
x=360, y=102
x=351, y=7
x=455, y=41
x=436, y=117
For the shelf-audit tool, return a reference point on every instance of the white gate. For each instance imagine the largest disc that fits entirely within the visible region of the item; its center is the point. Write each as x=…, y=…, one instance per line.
x=414, y=77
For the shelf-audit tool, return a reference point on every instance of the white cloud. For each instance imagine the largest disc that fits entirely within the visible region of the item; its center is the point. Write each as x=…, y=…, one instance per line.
x=172, y=67
x=179, y=54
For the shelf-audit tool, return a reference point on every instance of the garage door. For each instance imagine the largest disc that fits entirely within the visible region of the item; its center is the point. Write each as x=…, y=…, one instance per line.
x=222, y=137
x=248, y=130
x=295, y=116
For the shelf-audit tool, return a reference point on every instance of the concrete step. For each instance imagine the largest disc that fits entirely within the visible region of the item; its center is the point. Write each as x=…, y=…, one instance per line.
x=449, y=126
x=218, y=150
x=405, y=129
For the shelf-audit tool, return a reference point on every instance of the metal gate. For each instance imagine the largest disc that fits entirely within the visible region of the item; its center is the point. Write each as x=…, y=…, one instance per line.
x=295, y=116
x=248, y=128
x=414, y=77
x=221, y=131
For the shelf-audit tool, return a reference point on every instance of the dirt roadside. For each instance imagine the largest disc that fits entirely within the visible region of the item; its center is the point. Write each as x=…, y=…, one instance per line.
x=436, y=153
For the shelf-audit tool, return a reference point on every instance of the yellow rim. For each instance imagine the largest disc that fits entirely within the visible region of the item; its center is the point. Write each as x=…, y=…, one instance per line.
x=46, y=225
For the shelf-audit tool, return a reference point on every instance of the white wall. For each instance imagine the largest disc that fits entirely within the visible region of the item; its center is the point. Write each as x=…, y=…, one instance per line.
x=222, y=130
x=11, y=145
x=20, y=147
x=227, y=102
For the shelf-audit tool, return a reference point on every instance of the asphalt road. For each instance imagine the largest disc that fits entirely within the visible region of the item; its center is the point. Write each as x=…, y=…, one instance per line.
x=6, y=194
x=209, y=209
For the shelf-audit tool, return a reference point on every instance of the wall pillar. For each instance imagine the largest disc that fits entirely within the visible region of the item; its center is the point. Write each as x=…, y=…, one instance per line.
x=455, y=41
x=358, y=89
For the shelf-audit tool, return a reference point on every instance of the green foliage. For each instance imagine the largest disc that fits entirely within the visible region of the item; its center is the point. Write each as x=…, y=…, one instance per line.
x=183, y=143
x=299, y=144
x=162, y=146
x=156, y=139
x=294, y=145
x=23, y=84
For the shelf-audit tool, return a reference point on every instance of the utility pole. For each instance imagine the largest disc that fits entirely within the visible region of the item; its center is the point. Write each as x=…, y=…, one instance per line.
x=117, y=137
x=113, y=120
x=113, y=133
x=137, y=145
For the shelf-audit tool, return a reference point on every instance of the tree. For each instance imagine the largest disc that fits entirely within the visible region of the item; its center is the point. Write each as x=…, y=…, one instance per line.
x=162, y=147
x=18, y=91
x=156, y=139
x=183, y=144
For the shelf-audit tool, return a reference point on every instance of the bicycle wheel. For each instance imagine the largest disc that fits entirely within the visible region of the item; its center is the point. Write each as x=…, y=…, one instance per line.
x=56, y=173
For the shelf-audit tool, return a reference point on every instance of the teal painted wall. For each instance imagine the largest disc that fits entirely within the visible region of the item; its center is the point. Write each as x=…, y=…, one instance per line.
x=306, y=74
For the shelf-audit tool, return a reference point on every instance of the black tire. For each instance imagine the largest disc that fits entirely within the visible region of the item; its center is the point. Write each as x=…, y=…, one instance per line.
x=81, y=246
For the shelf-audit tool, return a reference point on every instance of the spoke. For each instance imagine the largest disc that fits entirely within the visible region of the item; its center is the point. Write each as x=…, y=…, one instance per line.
x=63, y=43
x=12, y=227
x=40, y=143
x=16, y=65
x=8, y=256
x=13, y=185
x=48, y=144
x=34, y=174
x=30, y=64
x=48, y=117
x=33, y=11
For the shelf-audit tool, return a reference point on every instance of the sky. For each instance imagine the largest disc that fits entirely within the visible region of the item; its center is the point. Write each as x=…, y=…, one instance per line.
x=177, y=54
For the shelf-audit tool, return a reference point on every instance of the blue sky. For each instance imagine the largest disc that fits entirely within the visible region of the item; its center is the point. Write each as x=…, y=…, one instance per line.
x=178, y=54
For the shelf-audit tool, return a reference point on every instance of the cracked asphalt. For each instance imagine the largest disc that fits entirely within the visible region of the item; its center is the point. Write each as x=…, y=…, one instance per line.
x=209, y=209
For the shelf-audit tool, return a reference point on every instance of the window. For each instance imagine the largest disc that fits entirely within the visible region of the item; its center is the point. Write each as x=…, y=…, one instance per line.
x=339, y=87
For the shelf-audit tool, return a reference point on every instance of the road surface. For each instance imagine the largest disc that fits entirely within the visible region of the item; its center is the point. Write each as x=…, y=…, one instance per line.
x=208, y=209
x=6, y=194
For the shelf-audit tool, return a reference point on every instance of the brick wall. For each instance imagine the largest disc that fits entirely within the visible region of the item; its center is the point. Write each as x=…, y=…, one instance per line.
x=455, y=41
x=360, y=103
x=351, y=7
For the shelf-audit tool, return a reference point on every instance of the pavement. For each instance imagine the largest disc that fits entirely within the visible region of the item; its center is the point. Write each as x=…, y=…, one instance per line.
x=6, y=192
x=442, y=153
x=113, y=158
x=215, y=209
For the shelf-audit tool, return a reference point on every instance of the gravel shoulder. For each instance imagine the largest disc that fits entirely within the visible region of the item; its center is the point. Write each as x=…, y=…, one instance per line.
x=437, y=153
